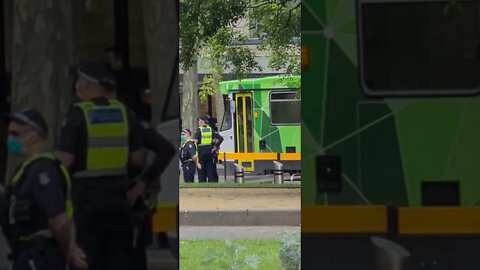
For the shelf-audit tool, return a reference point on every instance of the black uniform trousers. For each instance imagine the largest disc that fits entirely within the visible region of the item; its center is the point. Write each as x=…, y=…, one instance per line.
x=205, y=157
x=215, y=172
x=142, y=235
x=189, y=170
x=104, y=221
x=44, y=258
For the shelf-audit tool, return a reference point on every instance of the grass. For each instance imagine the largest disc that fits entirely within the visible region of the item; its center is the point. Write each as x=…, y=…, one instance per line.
x=235, y=185
x=193, y=252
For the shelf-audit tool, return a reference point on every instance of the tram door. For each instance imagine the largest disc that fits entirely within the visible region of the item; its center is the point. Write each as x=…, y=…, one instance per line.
x=244, y=128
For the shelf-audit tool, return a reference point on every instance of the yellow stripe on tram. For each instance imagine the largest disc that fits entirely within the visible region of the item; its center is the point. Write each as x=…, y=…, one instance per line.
x=373, y=220
x=438, y=220
x=290, y=156
x=249, y=156
x=260, y=156
x=344, y=219
x=165, y=218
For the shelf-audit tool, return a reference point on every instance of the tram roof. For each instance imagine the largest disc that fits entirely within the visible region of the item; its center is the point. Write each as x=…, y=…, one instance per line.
x=272, y=82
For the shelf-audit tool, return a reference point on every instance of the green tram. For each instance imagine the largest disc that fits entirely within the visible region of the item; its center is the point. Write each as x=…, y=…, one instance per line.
x=261, y=116
x=390, y=118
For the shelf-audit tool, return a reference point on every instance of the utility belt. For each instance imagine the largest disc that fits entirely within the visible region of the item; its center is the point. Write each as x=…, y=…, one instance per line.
x=37, y=244
x=103, y=181
x=186, y=162
x=101, y=202
x=205, y=147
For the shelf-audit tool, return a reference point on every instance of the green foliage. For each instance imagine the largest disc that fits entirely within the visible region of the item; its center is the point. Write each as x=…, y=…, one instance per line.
x=223, y=54
x=202, y=19
x=193, y=252
x=231, y=257
x=206, y=89
x=290, y=251
x=210, y=28
x=279, y=31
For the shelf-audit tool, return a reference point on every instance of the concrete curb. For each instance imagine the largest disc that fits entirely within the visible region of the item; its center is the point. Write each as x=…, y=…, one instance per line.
x=240, y=218
x=161, y=260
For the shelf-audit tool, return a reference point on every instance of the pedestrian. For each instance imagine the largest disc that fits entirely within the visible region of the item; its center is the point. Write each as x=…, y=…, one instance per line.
x=99, y=139
x=39, y=209
x=211, y=121
x=205, y=137
x=188, y=156
x=127, y=86
x=145, y=184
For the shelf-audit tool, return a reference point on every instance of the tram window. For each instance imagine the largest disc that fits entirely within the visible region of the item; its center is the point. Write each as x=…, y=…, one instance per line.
x=227, y=117
x=284, y=108
x=416, y=48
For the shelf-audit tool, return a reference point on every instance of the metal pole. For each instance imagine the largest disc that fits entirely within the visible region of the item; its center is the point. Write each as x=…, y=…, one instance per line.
x=239, y=173
x=277, y=172
x=390, y=255
x=225, y=167
x=293, y=176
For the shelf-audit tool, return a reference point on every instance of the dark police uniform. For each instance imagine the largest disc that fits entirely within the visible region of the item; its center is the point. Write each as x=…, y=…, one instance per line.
x=38, y=191
x=101, y=146
x=205, y=137
x=187, y=151
x=163, y=151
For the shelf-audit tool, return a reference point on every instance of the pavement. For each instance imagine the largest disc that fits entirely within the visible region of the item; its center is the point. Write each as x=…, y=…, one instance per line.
x=161, y=260
x=244, y=217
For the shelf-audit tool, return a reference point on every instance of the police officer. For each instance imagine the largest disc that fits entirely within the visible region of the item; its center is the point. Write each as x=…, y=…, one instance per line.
x=205, y=137
x=188, y=156
x=146, y=183
x=98, y=140
x=39, y=206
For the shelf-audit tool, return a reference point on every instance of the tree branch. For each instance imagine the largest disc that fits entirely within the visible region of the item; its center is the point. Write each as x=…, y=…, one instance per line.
x=290, y=13
x=263, y=4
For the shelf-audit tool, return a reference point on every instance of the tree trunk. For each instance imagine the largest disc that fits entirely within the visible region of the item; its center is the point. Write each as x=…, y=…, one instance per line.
x=41, y=56
x=219, y=102
x=190, y=98
x=161, y=34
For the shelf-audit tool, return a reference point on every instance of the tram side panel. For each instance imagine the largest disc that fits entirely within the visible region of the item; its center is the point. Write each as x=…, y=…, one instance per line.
x=390, y=117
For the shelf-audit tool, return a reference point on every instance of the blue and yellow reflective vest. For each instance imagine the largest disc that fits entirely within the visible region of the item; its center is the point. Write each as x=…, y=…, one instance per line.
x=206, y=134
x=107, y=139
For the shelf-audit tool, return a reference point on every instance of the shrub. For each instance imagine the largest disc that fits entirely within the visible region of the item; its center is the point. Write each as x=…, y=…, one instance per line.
x=231, y=257
x=289, y=251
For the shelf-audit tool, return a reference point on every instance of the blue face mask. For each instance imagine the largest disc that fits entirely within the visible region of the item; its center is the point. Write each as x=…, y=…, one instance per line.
x=14, y=146
x=182, y=137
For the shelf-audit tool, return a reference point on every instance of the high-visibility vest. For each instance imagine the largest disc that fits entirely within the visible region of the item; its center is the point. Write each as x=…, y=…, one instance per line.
x=183, y=156
x=14, y=186
x=107, y=139
x=206, y=134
